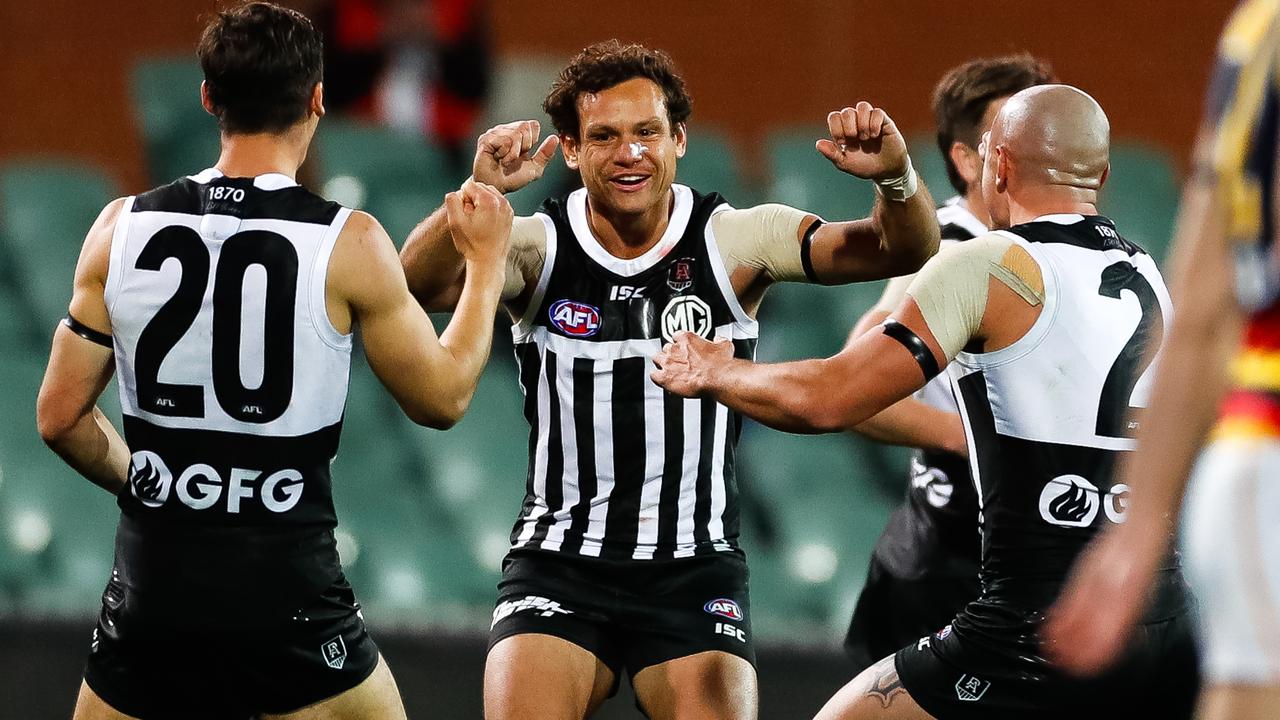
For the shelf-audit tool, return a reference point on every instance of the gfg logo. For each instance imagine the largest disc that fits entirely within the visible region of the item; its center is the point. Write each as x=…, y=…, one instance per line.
x=201, y=486
x=1072, y=501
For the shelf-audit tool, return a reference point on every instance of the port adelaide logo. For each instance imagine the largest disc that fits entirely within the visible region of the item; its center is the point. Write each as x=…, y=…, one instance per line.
x=575, y=319
x=724, y=607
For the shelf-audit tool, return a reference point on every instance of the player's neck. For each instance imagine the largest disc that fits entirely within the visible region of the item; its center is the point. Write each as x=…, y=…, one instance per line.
x=1051, y=200
x=262, y=153
x=976, y=206
x=629, y=235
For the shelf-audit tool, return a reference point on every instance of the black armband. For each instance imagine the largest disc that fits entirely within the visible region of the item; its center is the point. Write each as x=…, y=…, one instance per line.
x=806, y=261
x=86, y=332
x=912, y=342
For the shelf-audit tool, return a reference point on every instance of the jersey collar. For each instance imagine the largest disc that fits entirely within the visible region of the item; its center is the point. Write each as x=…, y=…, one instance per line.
x=680, y=213
x=268, y=181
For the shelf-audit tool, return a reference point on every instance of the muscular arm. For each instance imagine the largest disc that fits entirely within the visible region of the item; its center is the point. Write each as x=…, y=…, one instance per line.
x=432, y=378
x=965, y=295
x=896, y=240
x=68, y=419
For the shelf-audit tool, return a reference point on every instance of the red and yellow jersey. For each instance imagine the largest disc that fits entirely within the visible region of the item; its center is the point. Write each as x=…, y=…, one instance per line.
x=1244, y=120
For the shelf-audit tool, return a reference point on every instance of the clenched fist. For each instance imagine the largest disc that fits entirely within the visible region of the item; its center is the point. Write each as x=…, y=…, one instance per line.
x=865, y=143
x=686, y=366
x=480, y=222
x=505, y=157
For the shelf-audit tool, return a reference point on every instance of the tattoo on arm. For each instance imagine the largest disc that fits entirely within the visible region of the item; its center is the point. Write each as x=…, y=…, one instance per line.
x=886, y=686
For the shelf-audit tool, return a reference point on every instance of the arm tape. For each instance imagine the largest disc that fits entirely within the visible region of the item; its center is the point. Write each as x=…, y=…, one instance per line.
x=912, y=342
x=87, y=332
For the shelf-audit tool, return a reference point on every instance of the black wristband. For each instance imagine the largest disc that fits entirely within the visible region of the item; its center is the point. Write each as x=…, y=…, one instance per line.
x=912, y=342
x=86, y=332
x=805, y=261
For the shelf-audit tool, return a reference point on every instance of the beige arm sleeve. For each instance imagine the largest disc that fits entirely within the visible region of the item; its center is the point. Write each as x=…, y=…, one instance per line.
x=766, y=237
x=526, y=257
x=951, y=289
x=896, y=291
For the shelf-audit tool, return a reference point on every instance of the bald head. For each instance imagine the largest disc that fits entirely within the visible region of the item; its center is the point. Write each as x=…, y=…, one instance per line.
x=1055, y=135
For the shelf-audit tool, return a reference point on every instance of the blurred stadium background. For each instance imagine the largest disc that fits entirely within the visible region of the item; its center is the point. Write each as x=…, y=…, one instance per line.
x=99, y=100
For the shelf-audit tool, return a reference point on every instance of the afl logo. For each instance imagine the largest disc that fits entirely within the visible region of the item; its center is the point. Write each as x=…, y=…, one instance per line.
x=686, y=312
x=149, y=478
x=575, y=319
x=724, y=607
x=1069, y=501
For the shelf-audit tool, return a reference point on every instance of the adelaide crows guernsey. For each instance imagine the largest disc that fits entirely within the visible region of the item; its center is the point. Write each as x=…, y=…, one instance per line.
x=233, y=384
x=618, y=468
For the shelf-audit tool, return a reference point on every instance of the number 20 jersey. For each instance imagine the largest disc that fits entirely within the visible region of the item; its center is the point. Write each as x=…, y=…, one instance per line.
x=1048, y=417
x=233, y=384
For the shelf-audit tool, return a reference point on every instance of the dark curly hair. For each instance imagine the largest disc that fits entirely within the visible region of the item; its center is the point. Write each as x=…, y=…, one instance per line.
x=605, y=64
x=963, y=94
x=261, y=63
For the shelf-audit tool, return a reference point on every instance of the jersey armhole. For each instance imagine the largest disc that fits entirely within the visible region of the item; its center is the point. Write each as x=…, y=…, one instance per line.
x=1038, y=330
x=318, y=294
x=744, y=323
x=115, y=258
x=520, y=330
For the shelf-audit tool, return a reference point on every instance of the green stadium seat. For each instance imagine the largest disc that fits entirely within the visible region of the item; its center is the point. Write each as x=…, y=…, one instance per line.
x=58, y=527
x=930, y=165
x=46, y=209
x=383, y=163
x=804, y=179
x=1141, y=195
x=180, y=138
x=710, y=164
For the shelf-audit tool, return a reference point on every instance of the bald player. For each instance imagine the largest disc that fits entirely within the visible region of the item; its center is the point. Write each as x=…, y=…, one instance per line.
x=1045, y=324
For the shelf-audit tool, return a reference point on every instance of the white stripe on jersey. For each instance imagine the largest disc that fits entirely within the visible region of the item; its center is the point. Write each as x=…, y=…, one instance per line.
x=715, y=525
x=594, y=535
x=685, y=541
x=655, y=448
x=539, y=455
x=569, y=444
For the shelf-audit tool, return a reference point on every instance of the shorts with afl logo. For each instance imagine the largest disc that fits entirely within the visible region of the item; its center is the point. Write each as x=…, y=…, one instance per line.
x=161, y=669
x=630, y=614
x=952, y=677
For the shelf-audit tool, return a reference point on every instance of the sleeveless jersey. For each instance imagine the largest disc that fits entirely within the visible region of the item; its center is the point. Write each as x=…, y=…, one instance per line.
x=618, y=468
x=1047, y=418
x=233, y=384
x=933, y=534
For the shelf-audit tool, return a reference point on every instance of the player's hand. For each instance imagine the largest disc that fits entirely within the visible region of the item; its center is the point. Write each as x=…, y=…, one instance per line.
x=480, y=222
x=1104, y=598
x=865, y=143
x=687, y=365
x=505, y=155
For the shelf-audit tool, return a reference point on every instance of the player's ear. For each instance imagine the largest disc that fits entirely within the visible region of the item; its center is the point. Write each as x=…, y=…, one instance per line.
x=966, y=161
x=569, y=148
x=682, y=139
x=1002, y=167
x=205, y=102
x=317, y=100
x=1106, y=173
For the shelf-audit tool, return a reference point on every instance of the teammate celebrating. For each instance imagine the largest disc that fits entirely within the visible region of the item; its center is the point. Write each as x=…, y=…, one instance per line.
x=1047, y=322
x=925, y=565
x=229, y=299
x=1230, y=304
x=625, y=554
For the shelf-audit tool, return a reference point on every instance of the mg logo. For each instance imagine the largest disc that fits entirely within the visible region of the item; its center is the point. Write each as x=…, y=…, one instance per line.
x=686, y=312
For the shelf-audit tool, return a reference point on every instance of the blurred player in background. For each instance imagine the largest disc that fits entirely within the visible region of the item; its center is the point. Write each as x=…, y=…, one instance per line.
x=229, y=298
x=925, y=564
x=1046, y=321
x=1219, y=372
x=625, y=556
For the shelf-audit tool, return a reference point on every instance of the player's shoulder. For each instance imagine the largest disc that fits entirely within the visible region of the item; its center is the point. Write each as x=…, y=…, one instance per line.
x=272, y=196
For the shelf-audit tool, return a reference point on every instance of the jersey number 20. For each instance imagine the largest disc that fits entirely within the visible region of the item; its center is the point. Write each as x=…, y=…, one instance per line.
x=252, y=247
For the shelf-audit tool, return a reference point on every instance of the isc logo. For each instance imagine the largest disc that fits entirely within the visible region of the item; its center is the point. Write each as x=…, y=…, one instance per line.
x=574, y=318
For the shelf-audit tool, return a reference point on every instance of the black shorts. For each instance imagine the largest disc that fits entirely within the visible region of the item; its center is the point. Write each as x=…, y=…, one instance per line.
x=630, y=614
x=1156, y=678
x=161, y=670
x=892, y=612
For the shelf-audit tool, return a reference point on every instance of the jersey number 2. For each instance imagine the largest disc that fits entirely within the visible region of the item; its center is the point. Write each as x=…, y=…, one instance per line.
x=1117, y=390
x=277, y=256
